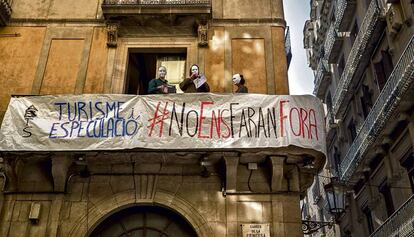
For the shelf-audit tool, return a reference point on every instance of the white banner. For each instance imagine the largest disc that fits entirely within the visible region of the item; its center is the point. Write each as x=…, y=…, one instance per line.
x=175, y=121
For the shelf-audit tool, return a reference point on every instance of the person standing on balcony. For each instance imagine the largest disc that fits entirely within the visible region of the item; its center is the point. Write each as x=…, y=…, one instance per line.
x=160, y=85
x=239, y=81
x=196, y=82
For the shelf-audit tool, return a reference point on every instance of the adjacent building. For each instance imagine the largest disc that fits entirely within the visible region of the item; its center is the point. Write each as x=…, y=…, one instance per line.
x=361, y=53
x=79, y=47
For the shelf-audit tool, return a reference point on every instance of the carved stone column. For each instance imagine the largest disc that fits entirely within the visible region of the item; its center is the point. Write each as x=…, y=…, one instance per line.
x=202, y=35
x=112, y=34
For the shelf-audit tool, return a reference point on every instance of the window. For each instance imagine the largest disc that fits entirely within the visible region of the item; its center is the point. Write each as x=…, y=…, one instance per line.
x=408, y=163
x=366, y=101
x=341, y=66
x=143, y=66
x=368, y=219
x=329, y=101
x=330, y=117
x=354, y=32
x=383, y=68
x=384, y=189
x=411, y=177
x=337, y=160
x=352, y=130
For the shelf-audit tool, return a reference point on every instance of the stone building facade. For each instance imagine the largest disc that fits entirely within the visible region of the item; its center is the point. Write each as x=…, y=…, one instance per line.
x=114, y=47
x=361, y=53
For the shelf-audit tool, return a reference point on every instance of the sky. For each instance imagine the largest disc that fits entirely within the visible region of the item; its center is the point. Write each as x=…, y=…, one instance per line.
x=300, y=75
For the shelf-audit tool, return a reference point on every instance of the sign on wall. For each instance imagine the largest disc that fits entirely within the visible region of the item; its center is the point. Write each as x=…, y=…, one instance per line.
x=256, y=230
x=175, y=121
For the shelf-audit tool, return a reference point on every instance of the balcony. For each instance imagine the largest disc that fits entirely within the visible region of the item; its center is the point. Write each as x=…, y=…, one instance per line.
x=115, y=8
x=322, y=79
x=401, y=223
x=365, y=43
x=399, y=84
x=324, y=21
x=345, y=10
x=5, y=11
x=333, y=44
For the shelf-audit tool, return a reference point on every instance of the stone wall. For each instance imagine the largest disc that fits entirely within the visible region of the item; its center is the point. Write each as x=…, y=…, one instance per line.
x=113, y=185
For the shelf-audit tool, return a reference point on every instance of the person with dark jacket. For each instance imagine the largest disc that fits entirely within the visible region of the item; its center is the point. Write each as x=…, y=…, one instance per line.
x=196, y=82
x=159, y=85
x=239, y=81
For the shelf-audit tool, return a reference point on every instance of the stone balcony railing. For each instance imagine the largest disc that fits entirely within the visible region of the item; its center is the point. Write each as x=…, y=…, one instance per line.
x=5, y=11
x=401, y=223
x=322, y=77
x=356, y=57
x=149, y=7
x=397, y=87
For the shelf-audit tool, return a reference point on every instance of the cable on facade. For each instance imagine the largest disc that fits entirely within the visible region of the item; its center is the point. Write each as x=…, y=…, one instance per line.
x=352, y=183
x=248, y=181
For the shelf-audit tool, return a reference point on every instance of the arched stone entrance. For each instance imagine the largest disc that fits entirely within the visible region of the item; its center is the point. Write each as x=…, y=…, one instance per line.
x=144, y=221
x=110, y=205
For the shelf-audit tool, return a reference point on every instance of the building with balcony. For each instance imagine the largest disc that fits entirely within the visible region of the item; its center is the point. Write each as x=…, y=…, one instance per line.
x=364, y=70
x=110, y=48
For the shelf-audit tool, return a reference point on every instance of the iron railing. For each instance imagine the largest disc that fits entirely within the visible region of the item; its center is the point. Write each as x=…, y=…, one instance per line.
x=399, y=224
x=341, y=6
x=5, y=11
x=361, y=42
x=159, y=2
x=343, y=10
x=321, y=74
x=395, y=88
x=331, y=37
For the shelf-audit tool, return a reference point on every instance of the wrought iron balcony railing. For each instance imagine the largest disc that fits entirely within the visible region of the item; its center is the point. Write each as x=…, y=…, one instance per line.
x=401, y=223
x=155, y=7
x=333, y=43
x=365, y=34
x=396, y=87
x=343, y=14
x=323, y=75
x=5, y=11
x=183, y=3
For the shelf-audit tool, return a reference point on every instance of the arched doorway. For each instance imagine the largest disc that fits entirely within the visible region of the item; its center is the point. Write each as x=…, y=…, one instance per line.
x=144, y=221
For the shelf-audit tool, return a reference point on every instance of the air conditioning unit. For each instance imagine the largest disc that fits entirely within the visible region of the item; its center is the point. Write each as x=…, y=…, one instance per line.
x=394, y=19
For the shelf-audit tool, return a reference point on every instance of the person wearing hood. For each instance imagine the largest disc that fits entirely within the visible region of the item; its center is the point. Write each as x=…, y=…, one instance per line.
x=196, y=82
x=239, y=81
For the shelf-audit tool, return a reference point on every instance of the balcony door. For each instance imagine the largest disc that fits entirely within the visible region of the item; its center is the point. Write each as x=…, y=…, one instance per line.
x=143, y=66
